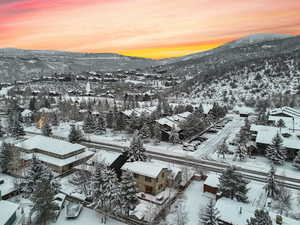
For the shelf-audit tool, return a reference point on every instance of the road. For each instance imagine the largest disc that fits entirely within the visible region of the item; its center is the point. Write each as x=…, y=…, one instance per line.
x=210, y=146
x=202, y=163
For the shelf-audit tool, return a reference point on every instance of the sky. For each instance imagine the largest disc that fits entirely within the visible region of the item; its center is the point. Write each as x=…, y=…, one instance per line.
x=145, y=28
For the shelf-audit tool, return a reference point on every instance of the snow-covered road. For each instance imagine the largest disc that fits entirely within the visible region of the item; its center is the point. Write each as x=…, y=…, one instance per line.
x=210, y=146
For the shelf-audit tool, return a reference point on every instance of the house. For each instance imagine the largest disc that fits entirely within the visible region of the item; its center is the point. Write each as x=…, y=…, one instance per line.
x=285, y=112
x=59, y=155
x=113, y=160
x=166, y=124
x=150, y=177
x=8, y=211
x=264, y=135
x=211, y=183
x=139, y=111
x=245, y=111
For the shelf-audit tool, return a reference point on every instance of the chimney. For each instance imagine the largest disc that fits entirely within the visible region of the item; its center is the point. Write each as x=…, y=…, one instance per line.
x=241, y=210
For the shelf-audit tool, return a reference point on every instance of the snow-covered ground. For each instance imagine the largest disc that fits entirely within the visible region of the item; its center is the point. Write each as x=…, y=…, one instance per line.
x=210, y=146
x=192, y=201
x=86, y=217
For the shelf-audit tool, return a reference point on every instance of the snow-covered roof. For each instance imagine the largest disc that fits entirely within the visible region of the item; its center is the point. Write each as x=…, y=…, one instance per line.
x=265, y=135
x=7, y=209
x=26, y=113
x=286, y=110
x=212, y=180
x=9, y=184
x=139, y=111
x=105, y=157
x=244, y=110
x=147, y=169
x=173, y=121
x=46, y=110
x=59, y=162
x=289, y=122
x=49, y=144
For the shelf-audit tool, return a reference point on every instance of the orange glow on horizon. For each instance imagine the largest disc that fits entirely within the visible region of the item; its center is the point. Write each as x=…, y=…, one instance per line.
x=169, y=52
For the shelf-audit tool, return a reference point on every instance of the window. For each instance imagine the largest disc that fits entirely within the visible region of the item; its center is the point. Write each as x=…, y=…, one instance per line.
x=148, y=189
x=148, y=179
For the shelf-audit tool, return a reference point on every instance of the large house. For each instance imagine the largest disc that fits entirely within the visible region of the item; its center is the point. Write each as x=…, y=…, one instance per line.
x=168, y=123
x=263, y=136
x=59, y=155
x=285, y=112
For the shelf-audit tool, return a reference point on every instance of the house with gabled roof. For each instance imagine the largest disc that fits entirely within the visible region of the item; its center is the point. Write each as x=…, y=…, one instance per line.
x=285, y=112
x=61, y=156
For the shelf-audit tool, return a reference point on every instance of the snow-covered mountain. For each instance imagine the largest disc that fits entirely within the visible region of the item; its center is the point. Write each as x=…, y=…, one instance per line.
x=245, y=41
x=16, y=64
x=256, y=38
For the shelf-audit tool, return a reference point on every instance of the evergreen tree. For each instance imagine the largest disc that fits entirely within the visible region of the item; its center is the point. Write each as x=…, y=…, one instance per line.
x=46, y=103
x=15, y=127
x=37, y=171
x=100, y=126
x=97, y=186
x=296, y=162
x=44, y=206
x=5, y=156
x=271, y=185
x=128, y=193
x=55, y=121
x=46, y=129
x=136, y=150
x=261, y=217
x=75, y=134
x=111, y=190
x=2, y=133
x=280, y=124
x=174, y=136
x=222, y=149
x=89, y=125
x=275, y=151
x=210, y=215
x=32, y=104
x=119, y=122
x=109, y=119
x=232, y=185
x=157, y=133
x=145, y=132
x=133, y=123
x=245, y=133
x=240, y=153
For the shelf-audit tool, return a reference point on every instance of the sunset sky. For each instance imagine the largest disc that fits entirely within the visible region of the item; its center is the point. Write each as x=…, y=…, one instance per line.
x=147, y=28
